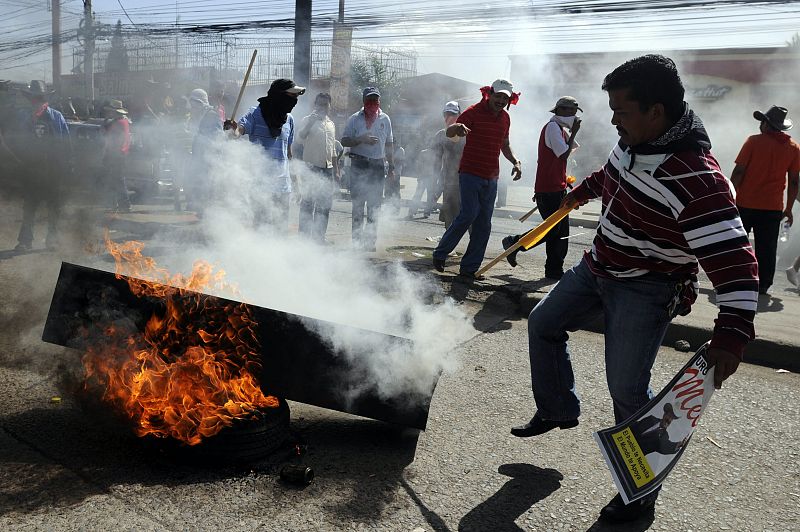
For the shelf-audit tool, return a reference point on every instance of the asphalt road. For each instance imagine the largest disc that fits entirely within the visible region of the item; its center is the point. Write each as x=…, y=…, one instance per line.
x=63, y=469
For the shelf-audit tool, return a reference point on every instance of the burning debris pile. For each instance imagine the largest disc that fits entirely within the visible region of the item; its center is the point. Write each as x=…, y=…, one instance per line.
x=195, y=366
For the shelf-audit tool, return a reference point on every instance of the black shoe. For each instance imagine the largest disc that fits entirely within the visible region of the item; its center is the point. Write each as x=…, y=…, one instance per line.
x=512, y=257
x=438, y=264
x=472, y=276
x=617, y=511
x=537, y=426
x=555, y=275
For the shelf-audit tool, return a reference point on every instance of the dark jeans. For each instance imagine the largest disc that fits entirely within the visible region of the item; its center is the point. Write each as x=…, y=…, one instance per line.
x=555, y=244
x=477, y=205
x=31, y=200
x=116, y=185
x=366, y=193
x=765, y=225
x=315, y=207
x=636, y=316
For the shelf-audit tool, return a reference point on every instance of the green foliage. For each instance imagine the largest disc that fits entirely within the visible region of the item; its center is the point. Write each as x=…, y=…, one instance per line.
x=371, y=72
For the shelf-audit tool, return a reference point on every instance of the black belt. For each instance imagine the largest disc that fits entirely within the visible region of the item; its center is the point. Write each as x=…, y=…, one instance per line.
x=357, y=157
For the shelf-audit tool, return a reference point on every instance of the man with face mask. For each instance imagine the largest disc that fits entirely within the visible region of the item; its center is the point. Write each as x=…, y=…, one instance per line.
x=368, y=134
x=555, y=147
x=485, y=125
x=40, y=144
x=270, y=126
x=318, y=135
x=205, y=125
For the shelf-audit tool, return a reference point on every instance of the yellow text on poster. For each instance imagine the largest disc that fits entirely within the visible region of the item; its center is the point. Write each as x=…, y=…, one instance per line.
x=634, y=457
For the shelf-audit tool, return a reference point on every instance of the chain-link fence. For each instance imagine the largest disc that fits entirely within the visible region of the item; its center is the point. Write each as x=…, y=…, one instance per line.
x=230, y=56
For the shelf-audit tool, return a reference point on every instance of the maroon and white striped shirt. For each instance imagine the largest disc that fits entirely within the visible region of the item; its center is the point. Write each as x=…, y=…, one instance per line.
x=665, y=213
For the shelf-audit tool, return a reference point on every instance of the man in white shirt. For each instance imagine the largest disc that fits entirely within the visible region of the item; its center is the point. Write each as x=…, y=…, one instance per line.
x=368, y=134
x=318, y=135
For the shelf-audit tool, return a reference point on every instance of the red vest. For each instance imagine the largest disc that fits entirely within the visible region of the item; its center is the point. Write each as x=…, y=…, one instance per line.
x=551, y=171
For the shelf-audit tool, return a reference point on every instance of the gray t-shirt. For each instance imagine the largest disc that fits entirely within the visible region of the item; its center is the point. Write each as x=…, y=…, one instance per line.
x=382, y=128
x=448, y=154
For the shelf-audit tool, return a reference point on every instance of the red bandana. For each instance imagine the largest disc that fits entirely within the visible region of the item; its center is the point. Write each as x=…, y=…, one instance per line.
x=371, y=112
x=487, y=91
x=40, y=111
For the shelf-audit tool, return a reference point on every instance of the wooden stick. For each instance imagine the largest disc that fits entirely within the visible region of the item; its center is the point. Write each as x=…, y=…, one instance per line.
x=530, y=238
x=244, y=84
x=528, y=214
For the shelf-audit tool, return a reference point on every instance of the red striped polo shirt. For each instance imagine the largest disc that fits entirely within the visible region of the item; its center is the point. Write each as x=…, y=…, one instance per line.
x=486, y=137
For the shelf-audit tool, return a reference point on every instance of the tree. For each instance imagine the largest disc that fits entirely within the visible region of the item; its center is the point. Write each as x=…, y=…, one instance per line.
x=794, y=42
x=371, y=72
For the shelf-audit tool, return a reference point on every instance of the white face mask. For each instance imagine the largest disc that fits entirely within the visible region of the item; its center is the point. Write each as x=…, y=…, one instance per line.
x=565, y=121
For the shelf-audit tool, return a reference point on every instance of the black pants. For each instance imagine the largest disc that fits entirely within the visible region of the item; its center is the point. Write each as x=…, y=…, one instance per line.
x=31, y=200
x=366, y=193
x=556, y=244
x=766, y=226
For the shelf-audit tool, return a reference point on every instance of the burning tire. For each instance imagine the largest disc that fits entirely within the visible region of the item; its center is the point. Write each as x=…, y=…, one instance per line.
x=246, y=441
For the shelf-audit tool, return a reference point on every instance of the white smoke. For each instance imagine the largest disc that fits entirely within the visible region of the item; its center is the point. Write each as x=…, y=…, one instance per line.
x=335, y=284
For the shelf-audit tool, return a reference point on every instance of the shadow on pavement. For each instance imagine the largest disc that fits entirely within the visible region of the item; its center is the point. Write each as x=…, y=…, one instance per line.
x=769, y=304
x=528, y=485
x=365, y=457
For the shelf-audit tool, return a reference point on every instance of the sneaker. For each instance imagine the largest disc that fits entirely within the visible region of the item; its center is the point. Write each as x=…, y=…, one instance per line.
x=23, y=247
x=512, y=257
x=791, y=274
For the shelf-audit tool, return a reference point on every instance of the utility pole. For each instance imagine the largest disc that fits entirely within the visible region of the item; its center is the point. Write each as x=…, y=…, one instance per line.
x=302, y=42
x=88, y=50
x=56, y=12
x=341, y=11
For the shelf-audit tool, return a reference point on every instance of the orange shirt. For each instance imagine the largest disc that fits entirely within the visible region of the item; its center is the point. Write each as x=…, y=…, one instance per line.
x=767, y=157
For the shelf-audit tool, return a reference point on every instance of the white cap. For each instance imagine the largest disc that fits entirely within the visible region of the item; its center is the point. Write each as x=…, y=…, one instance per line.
x=504, y=86
x=199, y=95
x=452, y=107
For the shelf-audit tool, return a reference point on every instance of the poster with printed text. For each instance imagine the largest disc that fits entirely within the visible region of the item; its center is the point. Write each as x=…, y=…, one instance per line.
x=642, y=450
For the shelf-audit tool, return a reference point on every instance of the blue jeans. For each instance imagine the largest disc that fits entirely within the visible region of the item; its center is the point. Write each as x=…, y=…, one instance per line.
x=477, y=205
x=636, y=317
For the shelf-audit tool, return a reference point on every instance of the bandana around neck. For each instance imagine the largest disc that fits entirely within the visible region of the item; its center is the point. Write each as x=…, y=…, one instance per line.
x=371, y=112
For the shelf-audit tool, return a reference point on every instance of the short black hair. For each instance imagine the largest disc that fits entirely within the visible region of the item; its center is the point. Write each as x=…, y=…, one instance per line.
x=323, y=96
x=651, y=79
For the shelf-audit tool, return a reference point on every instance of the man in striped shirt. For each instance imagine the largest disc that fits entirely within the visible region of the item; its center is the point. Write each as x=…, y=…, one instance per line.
x=666, y=207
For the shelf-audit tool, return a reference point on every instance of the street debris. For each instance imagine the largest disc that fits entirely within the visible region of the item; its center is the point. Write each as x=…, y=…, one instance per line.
x=683, y=346
x=709, y=438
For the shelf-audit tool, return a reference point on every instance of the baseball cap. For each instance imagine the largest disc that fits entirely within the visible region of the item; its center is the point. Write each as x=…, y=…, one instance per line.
x=371, y=91
x=504, y=86
x=566, y=101
x=286, y=85
x=452, y=107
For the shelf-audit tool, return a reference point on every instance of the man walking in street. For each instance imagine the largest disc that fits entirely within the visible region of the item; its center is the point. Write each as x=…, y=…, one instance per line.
x=39, y=142
x=318, y=135
x=270, y=126
x=555, y=147
x=485, y=125
x=666, y=206
x=117, y=135
x=368, y=134
x=760, y=177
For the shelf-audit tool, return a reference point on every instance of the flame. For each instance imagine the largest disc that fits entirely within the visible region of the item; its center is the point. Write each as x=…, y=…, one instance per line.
x=191, y=372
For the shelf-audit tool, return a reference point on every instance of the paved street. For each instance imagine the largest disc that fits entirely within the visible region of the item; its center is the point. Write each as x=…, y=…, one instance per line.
x=63, y=469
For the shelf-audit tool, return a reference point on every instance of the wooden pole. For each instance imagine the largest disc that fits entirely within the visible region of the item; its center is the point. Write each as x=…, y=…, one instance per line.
x=528, y=214
x=244, y=84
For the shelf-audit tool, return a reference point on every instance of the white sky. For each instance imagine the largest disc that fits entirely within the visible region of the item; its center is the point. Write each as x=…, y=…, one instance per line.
x=475, y=50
